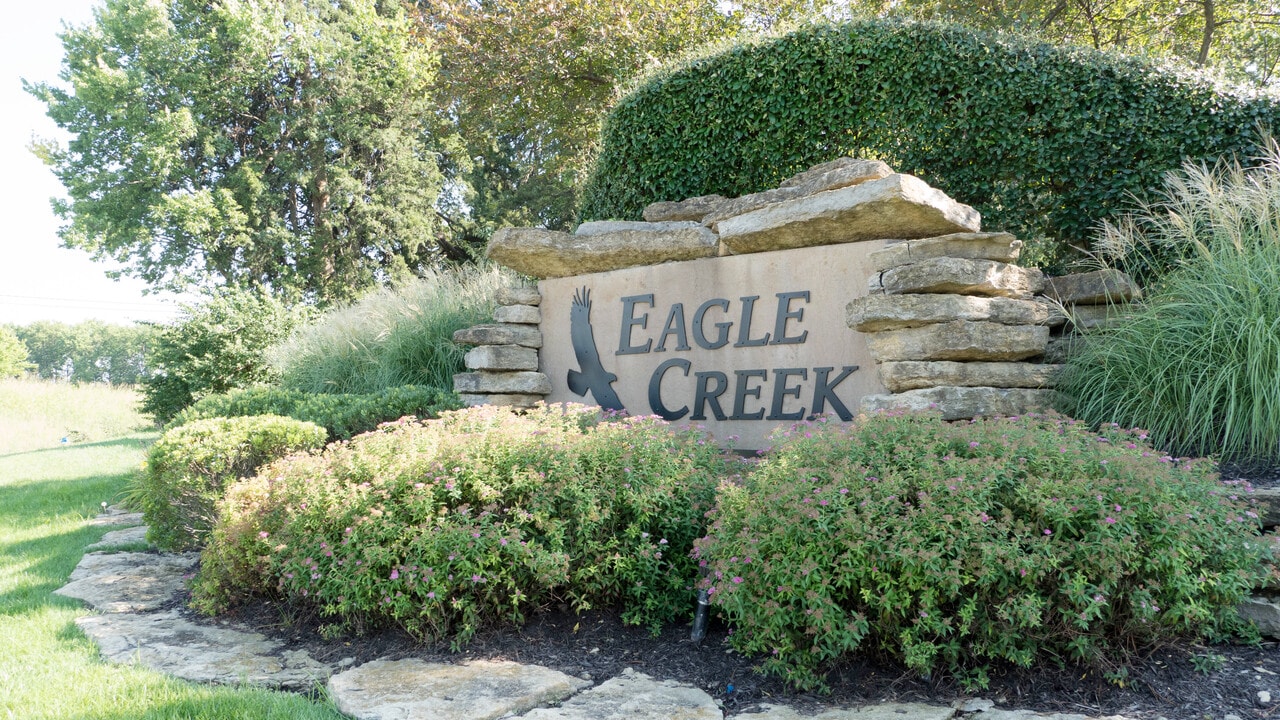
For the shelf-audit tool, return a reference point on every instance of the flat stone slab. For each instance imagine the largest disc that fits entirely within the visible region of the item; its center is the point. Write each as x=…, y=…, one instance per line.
x=116, y=538
x=116, y=515
x=838, y=173
x=501, y=357
x=514, y=400
x=882, y=711
x=1092, y=288
x=519, y=296
x=1264, y=612
x=999, y=246
x=416, y=690
x=897, y=206
x=128, y=582
x=516, y=382
x=634, y=696
x=876, y=313
x=959, y=340
x=962, y=403
x=694, y=208
x=914, y=375
x=500, y=334
x=1032, y=715
x=964, y=277
x=517, y=314
x=167, y=642
x=549, y=254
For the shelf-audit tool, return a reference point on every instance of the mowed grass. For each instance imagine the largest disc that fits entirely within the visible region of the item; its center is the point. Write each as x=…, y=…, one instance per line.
x=48, y=493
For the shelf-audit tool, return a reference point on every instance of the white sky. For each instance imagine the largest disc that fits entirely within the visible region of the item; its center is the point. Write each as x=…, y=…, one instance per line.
x=40, y=280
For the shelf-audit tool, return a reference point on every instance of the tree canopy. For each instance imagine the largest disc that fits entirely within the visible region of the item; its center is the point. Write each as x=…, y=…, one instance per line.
x=282, y=144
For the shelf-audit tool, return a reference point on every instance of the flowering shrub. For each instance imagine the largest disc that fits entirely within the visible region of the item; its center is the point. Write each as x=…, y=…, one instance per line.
x=948, y=546
x=444, y=526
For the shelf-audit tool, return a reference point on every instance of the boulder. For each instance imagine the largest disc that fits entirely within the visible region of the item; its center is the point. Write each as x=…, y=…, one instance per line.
x=1263, y=612
x=519, y=296
x=545, y=253
x=500, y=334
x=959, y=340
x=913, y=374
x=477, y=690
x=1001, y=247
x=516, y=383
x=501, y=357
x=130, y=581
x=959, y=403
x=874, y=313
x=1268, y=505
x=517, y=314
x=965, y=277
x=694, y=208
x=897, y=206
x=520, y=402
x=1092, y=288
x=634, y=696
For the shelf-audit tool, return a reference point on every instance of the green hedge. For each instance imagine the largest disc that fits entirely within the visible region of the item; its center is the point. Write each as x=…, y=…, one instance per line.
x=341, y=415
x=189, y=466
x=1042, y=140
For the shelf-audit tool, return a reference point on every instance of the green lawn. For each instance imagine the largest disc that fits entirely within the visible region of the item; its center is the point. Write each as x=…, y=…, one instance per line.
x=48, y=669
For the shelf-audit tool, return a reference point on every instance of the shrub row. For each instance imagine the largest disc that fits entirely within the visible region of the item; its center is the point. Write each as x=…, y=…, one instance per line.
x=341, y=415
x=1042, y=140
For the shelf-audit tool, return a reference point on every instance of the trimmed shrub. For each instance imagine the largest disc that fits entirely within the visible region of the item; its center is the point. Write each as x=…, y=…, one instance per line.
x=341, y=415
x=1199, y=361
x=392, y=337
x=189, y=467
x=1042, y=140
x=446, y=526
x=949, y=546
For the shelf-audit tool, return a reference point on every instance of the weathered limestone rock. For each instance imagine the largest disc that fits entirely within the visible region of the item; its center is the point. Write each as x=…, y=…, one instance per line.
x=1268, y=499
x=882, y=711
x=519, y=296
x=479, y=690
x=959, y=403
x=874, y=313
x=1057, y=315
x=605, y=227
x=1264, y=612
x=747, y=203
x=1088, y=317
x=634, y=696
x=117, y=538
x=963, y=276
x=500, y=334
x=897, y=206
x=913, y=375
x=517, y=314
x=171, y=644
x=959, y=340
x=128, y=582
x=116, y=515
x=1001, y=247
x=694, y=208
x=520, y=402
x=517, y=383
x=543, y=253
x=1058, y=349
x=841, y=172
x=997, y=714
x=501, y=357
x=1092, y=288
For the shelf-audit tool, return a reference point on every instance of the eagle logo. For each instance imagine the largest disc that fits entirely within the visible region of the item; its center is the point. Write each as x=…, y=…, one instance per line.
x=591, y=375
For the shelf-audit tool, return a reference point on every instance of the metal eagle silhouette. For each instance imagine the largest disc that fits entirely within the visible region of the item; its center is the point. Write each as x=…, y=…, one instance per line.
x=591, y=376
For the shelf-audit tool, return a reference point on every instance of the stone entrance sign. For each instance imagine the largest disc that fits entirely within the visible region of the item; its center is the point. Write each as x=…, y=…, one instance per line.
x=740, y=344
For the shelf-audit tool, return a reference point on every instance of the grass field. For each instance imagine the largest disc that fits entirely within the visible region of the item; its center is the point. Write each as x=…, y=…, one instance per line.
x=48, y=492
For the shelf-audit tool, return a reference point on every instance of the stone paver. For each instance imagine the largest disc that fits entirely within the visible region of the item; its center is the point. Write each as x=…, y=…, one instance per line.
x=416, y=690
x=128, y=582
x=634, y=696
x=882, y=711
x=116, y=515
x=167, y=642
x=116, y=538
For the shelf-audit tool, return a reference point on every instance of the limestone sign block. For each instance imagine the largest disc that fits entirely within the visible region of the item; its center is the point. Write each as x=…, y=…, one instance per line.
x=634, y=696
x=959, y=340
x=517, y=314
x=521, y=402
x=519, y=383
x=544, y=253
x=882, y=711
x=897, y=206
x=959, y=403
x=1264, y=612
x=965, y=277
x=501, y=357
x=167, y=642
x=479, y=690
x=500, y=334
x=999, y=246
x=694, y=208
x=519, y=296
x=128, y=582
x=726, y=209
x=914, y=374
x=1092, y=288
x=875, y=313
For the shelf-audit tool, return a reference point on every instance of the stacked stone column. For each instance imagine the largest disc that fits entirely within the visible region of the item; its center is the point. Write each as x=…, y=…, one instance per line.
x=951, y=323
x=504, y=361
x=1089, y=300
